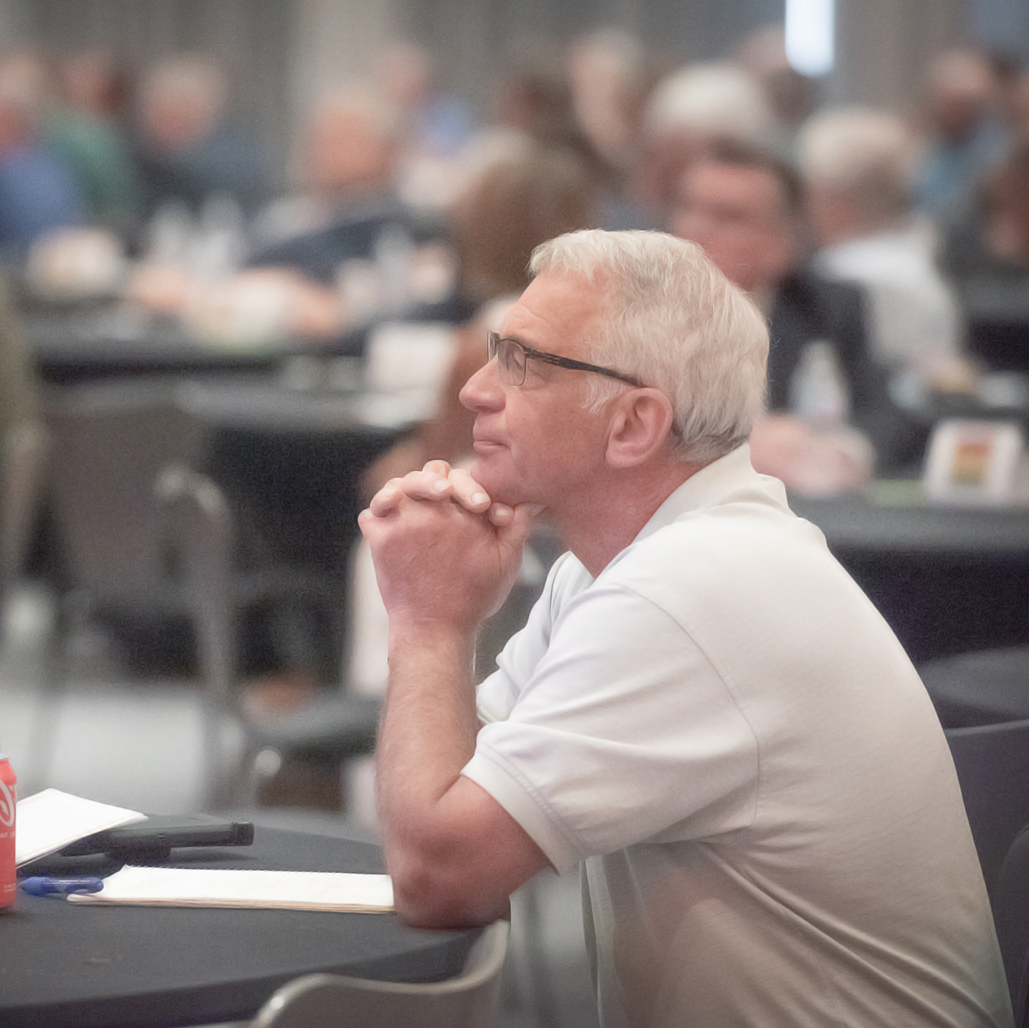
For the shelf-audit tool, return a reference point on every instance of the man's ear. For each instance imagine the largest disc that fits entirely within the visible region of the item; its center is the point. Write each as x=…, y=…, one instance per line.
x=639, y=427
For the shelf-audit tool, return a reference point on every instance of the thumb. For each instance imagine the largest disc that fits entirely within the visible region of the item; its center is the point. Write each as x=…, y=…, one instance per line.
x=514, y=530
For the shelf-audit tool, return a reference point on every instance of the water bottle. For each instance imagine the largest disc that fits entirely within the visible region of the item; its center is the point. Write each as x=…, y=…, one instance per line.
x=818, y=392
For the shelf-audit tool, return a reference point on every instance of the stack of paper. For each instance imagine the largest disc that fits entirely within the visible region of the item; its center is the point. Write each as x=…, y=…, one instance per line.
x=51, y=820
x=232, y=887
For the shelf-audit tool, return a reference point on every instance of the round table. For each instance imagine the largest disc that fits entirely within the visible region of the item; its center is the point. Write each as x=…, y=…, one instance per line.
x=947, y=579
x=67, y=965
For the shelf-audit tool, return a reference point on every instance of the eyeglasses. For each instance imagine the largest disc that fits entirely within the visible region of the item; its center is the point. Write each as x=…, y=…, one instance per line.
x=513, y=357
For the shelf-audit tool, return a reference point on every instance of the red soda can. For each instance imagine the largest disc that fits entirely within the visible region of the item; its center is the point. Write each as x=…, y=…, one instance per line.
x=8, y=869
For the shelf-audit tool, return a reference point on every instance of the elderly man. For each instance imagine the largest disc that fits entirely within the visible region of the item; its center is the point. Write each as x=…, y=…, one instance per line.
x=703, y=711
x=746, y=208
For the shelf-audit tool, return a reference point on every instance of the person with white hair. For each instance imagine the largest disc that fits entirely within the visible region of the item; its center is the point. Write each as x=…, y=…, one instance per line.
x=703, y=712
x=189, y=146
x=858, y=166
x=345, y=188
x=688, y=111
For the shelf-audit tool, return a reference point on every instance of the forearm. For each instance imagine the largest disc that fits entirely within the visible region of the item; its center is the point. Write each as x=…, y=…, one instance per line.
x=445, y=557
x=429, y=721
x=426, y=737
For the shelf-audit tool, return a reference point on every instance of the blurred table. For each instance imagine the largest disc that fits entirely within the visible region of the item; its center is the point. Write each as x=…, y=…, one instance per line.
x=66, y=965
x=996, y=311
x=70, y=347
x=947, y=579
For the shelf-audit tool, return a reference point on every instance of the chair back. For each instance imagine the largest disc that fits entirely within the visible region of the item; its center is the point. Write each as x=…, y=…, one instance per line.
x=108, y=443
x=468, y=1000
x=992, y=763
x=1011, y=917
x=197, y=523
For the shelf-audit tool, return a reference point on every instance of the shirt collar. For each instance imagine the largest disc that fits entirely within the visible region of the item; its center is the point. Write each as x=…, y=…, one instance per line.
x=712, y=484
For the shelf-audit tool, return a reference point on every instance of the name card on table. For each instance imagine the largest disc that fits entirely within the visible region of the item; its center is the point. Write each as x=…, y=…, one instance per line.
x=976, y=462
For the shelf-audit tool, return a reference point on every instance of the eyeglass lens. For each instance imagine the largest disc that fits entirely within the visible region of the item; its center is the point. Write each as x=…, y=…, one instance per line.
x=510, y=358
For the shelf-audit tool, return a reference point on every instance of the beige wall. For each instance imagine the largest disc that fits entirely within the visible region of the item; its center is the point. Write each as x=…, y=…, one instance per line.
x=283, y=51
x=882, y=46
x=335, y=40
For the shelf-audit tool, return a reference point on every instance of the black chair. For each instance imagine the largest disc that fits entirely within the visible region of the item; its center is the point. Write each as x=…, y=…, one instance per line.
x=108, y=442
x=980, y=688
x=1011, y=917
x=992, y=763
x=104, y=444
x=334, y=727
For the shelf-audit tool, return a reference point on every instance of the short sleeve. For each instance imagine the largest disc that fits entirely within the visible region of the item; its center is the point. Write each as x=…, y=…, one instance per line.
x=625, y=730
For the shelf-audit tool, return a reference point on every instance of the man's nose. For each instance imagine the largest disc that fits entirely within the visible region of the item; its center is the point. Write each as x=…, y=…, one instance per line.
x=483, y=391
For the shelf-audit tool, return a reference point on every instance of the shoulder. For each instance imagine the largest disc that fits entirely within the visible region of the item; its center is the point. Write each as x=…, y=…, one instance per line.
x=712, y=553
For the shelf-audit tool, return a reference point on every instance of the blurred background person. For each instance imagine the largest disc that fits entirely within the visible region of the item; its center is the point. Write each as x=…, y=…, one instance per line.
x=531, y=100
x=38, y=190
x=858, y=164
x=986, y=254
x=87, y=128
x=531, y=194
x=435, y=124
x=689, y=110
x=962, y=134
x=344, y=214
x=345, y=188
x=832, y=423
x=609, y=76
x=190, y=145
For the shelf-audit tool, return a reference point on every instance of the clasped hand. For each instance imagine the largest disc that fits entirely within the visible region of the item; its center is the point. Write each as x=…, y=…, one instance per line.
x=444, y=553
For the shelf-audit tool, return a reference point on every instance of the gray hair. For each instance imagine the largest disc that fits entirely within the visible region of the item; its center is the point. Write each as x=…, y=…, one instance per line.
x=673, y=320
x=869, y=154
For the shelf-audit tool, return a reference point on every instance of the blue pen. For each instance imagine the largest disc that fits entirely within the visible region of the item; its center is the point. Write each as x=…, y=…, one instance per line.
x=39, y=886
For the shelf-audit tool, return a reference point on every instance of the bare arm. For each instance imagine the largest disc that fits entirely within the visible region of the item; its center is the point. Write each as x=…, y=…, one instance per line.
x=445, y=559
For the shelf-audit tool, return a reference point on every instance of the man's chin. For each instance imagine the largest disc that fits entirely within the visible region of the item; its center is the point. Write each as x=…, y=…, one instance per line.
x=494, y=484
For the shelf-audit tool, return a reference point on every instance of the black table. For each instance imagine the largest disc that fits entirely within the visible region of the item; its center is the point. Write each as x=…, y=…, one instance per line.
x=66, y=965
x=74, y=347
x=947, y=579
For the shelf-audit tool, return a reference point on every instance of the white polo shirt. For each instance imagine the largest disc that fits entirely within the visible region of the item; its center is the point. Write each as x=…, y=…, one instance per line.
x=726, y=734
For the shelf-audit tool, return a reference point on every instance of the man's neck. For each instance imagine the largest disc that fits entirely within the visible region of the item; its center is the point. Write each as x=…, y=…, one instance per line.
x=598, y=527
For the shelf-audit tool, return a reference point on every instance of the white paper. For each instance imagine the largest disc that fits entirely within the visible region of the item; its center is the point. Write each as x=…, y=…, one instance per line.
x=235, y=887
x=51, y=820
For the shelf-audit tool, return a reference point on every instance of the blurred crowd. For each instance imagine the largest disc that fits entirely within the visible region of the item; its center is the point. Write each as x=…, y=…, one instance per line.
x=862, y=233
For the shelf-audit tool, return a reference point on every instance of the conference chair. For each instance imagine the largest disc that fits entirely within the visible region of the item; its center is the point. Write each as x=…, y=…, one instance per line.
x=103, y=444
x=992, y=763
x=469, y=1000
x=107, y=443
x=333, y=727
x=1011, y=917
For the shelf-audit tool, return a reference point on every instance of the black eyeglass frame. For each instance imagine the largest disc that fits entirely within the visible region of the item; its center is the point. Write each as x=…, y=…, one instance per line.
x=494, y=339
